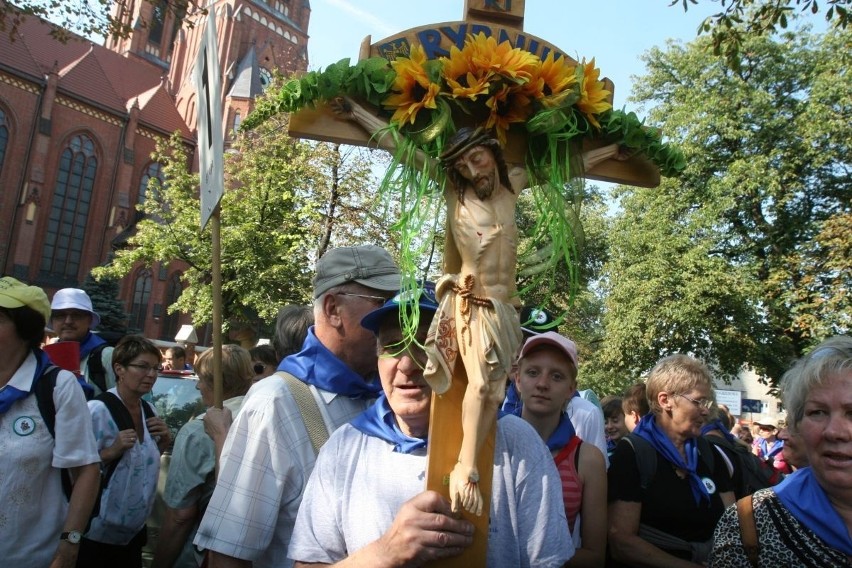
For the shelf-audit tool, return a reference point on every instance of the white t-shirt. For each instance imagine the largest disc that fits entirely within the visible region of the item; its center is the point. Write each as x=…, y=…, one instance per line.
x=588, y=421
x=33, y=506
x=359, y=483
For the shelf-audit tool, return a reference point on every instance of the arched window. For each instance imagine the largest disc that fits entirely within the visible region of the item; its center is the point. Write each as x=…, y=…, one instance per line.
x=141, y=298
x=69, y=212
x=171, y=321
x=4, y=137
x=237, y=120
x=158, y=21
x=153, y=171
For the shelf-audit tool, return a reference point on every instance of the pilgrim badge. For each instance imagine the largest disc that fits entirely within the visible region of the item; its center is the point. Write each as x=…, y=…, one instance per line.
x=24, y=426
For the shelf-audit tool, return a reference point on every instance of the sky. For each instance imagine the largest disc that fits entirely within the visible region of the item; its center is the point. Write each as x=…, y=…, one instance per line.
x=615, y=32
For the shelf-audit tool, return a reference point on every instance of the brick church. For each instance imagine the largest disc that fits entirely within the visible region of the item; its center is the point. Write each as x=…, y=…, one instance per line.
x=78, y=123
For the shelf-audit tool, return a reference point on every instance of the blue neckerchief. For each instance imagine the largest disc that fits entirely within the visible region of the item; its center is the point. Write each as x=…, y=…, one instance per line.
x=562, y=435
x=802, y=495
x=610, y=446
x=512, y=402
x=717, y=425
x=765, y=452
x=649, y=430
x=9, y=395
x=318, y=366
x=89, y=343
x=379, y=421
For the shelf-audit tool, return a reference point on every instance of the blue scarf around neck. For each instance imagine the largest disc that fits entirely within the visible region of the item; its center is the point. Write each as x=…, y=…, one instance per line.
x=89, y=343
x=802, y=495
x=318, y=366
x=9, y=395
x=559, y=438
x=765, y=452
x=562, y=435
x=379, y=421
x=717, y=425
x=651, y=431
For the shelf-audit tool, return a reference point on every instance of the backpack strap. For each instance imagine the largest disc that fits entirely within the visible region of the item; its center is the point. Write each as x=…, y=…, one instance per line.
x=748, y=529
x=706, y=453
x=308, y=408
x=95, y=371
x=123, y=420
x=47, y=408
x=646, y=458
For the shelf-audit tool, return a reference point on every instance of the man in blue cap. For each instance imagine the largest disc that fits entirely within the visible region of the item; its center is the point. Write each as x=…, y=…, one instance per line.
x=366, y=499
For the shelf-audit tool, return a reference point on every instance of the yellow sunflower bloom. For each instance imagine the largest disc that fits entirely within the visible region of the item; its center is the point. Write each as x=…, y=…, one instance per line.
x=552, y=79
x=511, y=62
x=509, y=105
x=462, y=78
x=593, y=95
x=412, y=88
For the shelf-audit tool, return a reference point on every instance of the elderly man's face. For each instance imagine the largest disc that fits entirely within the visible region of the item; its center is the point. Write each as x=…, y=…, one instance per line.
x=71, y=324
x=401, y=372
x=478, y=167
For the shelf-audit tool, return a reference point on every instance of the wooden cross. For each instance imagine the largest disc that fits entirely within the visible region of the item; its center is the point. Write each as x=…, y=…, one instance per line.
x=502, y=19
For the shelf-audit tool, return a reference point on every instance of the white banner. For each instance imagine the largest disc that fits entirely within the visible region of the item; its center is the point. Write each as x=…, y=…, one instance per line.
x=731, y=399
x=208, y=85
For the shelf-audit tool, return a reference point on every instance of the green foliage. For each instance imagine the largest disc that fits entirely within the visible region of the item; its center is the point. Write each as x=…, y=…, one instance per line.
x=84, y=18
x=743, y=19
x=104, y=295
x=744, y=260
x=266, y=217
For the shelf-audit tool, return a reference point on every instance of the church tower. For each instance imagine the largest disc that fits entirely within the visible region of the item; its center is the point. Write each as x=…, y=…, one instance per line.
x=257, y=38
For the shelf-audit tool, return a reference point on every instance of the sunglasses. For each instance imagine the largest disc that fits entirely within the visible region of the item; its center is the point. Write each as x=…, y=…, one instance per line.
x=259, y=368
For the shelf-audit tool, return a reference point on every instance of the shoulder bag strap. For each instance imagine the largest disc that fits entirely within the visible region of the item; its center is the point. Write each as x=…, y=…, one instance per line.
x=311, y=416
x=748, y=529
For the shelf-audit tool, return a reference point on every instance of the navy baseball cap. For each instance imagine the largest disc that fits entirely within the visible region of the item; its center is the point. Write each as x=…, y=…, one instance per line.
x=425, y=300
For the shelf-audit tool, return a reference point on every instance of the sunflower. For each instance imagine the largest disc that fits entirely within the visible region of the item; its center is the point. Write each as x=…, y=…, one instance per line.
x=412, y=89
x=508, y=105
x=554, y=81
x=593, y=95
x=463, y=79
x=510, y=62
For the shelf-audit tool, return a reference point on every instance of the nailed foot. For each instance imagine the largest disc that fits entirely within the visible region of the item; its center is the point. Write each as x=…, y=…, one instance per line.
x=464, y=489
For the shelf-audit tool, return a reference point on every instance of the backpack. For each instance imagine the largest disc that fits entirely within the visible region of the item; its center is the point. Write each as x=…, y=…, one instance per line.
x=755, y=473
x=646, y=457
x=95, y=372
x=47, y=408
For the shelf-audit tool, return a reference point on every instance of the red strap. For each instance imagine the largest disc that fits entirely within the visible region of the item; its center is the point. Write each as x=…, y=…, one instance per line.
x=566, y=451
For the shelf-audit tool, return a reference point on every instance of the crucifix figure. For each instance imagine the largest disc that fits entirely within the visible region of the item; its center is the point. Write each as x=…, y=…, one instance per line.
x=477, y=322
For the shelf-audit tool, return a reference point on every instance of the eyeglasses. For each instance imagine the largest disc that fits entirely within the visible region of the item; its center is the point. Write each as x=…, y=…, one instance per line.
x=378, y=300
x=704, y=403
x=146, y=369
x=75, y=315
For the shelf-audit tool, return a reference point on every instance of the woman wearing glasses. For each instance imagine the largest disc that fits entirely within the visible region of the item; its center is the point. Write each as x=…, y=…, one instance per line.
x=666, y=490
x=118, y=533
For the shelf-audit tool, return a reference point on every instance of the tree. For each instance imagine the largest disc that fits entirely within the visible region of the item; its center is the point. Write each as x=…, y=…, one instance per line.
x=104, y=295
x=744, y=18
x=744, y=260
x=82, y=17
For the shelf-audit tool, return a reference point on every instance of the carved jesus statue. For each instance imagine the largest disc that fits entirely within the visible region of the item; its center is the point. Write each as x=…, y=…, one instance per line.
x=477, y=321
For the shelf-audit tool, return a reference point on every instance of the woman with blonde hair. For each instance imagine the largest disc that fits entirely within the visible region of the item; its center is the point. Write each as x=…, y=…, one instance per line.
x=191, y=477
x=666, y=490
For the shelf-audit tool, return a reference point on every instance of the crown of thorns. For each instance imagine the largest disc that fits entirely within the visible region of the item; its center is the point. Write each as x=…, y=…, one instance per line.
x=463, y=140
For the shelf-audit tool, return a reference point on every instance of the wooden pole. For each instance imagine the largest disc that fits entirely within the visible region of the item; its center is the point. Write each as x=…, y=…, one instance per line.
x=216, y=234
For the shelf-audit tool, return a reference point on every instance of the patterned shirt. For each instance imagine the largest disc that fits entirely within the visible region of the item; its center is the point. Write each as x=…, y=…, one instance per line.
x=265, y=464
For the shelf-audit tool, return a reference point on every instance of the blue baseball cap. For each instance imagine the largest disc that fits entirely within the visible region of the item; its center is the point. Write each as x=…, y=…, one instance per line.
x=425, y=300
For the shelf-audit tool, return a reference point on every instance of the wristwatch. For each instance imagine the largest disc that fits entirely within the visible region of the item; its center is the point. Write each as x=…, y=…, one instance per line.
x=71, y=536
